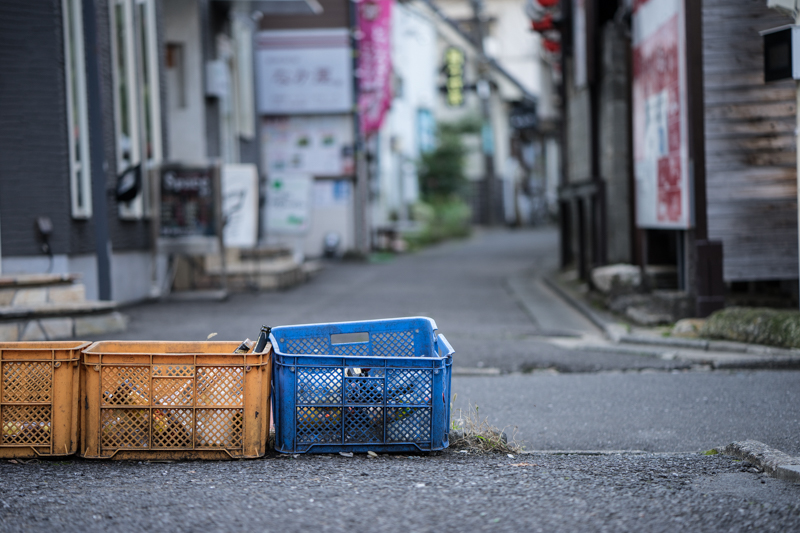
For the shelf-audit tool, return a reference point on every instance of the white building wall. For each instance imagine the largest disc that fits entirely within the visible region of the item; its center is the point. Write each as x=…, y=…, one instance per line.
x=414, y=60
x=185, y=107
x=513, y=43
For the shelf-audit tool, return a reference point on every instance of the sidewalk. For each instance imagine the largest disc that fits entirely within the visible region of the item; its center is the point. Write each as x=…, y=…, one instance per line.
x=553, y=305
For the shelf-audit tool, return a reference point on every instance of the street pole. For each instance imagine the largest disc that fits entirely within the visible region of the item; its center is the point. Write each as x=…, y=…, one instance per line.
x=97, y=150
x=704, y=274
x=484, y=90
x=361, y=189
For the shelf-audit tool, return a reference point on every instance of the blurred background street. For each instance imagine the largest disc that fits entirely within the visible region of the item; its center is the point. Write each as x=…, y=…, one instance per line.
x=557, y=398
x=595, y=200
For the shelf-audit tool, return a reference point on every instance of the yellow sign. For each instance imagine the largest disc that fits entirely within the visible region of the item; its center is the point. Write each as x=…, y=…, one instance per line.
x=454, y=70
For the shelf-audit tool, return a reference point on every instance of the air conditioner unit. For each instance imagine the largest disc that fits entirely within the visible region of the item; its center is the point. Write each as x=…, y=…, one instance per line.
x=781, y=53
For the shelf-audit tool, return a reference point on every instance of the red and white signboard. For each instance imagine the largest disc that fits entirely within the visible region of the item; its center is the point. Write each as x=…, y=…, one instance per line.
x=660, y=115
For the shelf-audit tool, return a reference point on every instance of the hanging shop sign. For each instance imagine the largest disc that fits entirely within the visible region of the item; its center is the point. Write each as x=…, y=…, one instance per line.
x=660, y=115
x=304, y=71
x=454, y=71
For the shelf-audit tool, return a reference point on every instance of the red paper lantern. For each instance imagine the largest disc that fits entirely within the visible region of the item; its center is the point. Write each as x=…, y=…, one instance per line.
x=545, y=24
x=551, y=46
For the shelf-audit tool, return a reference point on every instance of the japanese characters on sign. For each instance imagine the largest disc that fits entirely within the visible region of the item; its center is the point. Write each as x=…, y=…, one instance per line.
x=374, y=63
x=660, y=115
x=304, y=71
x=454, y=72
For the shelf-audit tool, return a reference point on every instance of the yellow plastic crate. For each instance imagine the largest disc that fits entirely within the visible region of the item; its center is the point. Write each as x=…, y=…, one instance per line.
x=174, y=400
x=39, y=398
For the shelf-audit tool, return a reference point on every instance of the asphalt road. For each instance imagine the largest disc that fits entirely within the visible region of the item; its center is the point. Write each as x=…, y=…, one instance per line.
x=650, y=411
x=451, y=492
x=465, y=286
x=586, y=401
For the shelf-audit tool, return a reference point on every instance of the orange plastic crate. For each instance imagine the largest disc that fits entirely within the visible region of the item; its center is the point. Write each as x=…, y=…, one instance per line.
x=174, y=400
x=39, y=398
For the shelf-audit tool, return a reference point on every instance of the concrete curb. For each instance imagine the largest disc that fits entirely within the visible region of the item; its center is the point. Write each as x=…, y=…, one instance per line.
x=774, y=462
x=711, y=346
x=580, y=306
x=472, y=371
x=765, y=356
x=594, y=452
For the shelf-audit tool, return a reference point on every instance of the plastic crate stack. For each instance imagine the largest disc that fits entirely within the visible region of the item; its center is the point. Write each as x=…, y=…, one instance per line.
x=380, y=385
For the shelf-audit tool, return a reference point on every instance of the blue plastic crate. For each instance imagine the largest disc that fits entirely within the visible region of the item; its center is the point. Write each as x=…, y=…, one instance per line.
x=380, y=385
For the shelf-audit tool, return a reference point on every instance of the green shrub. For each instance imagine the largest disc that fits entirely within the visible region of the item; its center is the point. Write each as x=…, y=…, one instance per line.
x=755, y=325
x=442, y=169
x=440, y=220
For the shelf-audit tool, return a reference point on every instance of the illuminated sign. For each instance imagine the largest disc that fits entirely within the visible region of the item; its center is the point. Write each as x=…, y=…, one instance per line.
x=454, y=70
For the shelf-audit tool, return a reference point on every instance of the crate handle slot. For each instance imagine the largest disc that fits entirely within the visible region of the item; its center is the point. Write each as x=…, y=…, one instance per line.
x=349, y=338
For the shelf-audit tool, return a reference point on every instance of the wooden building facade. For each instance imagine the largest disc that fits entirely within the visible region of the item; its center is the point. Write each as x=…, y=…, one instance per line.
x=751, y=180
x=749, y=202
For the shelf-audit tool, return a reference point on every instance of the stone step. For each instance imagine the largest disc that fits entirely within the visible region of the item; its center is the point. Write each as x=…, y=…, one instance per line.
x=42, y=307
x=36, y=280
x=263, y=253
x=261, y=269
x=29, y=293
x=263, y=280
x=49, y=310
x=48, y=328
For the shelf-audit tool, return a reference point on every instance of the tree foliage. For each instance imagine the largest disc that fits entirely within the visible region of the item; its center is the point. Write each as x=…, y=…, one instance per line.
x=442, y=170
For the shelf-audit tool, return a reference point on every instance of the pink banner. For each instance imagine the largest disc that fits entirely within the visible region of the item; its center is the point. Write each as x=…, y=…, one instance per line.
x=374, y=63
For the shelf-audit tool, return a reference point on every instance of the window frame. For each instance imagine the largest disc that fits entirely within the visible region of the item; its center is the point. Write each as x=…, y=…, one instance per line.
x=80, y=171
x=140, y=52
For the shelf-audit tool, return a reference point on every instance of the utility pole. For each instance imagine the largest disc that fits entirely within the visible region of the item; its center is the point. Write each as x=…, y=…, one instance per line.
x=97, y=151
x=361, y=189
x=483, y=87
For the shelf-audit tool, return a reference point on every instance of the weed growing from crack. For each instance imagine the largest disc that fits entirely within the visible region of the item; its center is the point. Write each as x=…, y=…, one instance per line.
x=469, y=432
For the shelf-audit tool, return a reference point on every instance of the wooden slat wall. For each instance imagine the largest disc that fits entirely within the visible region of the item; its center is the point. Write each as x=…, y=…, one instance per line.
x=750, y=144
